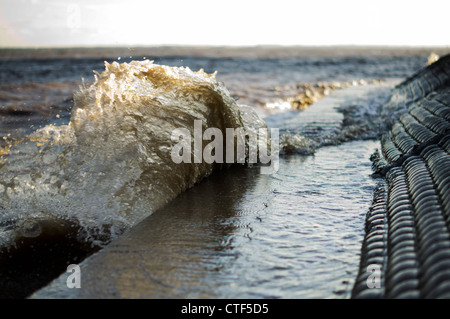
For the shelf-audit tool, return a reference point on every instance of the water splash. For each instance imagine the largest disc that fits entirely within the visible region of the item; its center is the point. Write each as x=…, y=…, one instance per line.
x=110, y=166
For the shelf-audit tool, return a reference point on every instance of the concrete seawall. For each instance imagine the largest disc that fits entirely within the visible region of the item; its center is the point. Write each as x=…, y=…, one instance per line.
x=406, y=249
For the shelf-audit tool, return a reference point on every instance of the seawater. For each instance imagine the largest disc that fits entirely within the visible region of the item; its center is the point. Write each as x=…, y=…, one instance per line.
x=295, y=233
x=242, y=234
x=102, y=166
x=112, y=164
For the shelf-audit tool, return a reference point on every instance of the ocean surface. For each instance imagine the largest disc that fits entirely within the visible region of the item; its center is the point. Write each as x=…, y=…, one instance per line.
x=85, y=146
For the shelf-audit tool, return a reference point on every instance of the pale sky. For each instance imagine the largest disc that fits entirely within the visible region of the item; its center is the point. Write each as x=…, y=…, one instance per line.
x=230, y=22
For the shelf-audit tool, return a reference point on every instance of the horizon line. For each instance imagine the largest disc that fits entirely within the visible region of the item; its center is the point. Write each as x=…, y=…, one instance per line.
x=111, y=46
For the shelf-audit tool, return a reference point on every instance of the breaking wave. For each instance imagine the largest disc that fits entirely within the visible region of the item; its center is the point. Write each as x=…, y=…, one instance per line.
x=110, y=166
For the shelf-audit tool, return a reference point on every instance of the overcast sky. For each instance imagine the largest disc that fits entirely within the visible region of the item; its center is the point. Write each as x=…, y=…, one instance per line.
x=230, y=22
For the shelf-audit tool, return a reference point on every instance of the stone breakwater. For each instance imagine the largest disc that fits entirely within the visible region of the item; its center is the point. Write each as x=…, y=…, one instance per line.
x=406, y=249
